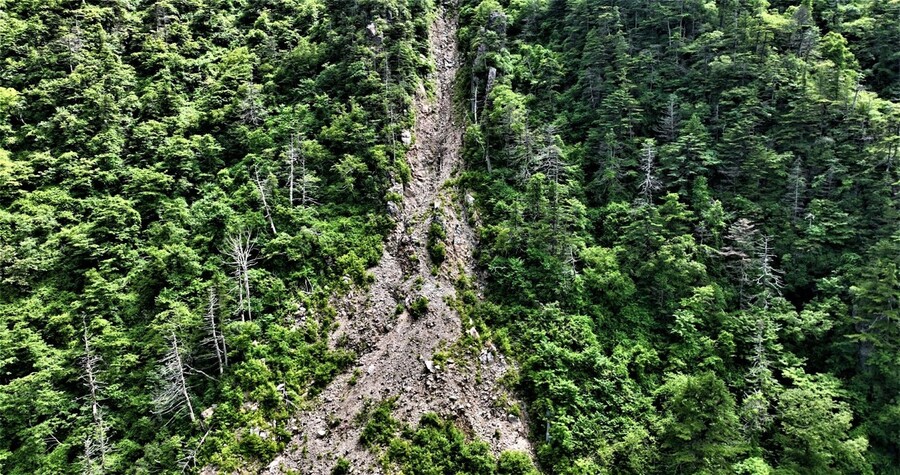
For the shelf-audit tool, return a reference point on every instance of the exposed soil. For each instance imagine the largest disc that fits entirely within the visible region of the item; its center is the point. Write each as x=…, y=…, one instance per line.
x=394, y=348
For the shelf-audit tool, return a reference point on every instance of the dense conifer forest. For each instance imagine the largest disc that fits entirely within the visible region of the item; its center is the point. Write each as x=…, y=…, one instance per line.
x=687, y=217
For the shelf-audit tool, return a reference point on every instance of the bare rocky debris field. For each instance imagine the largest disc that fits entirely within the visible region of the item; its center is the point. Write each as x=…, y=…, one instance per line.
x=397, y=350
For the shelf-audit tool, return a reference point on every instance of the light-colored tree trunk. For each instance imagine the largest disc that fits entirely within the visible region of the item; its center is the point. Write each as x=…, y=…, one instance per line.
x=216, y=337
x=291, y=160
x=263, y=187
x=182, y=383
x=173, y=396
x=648, y=166
x=239, y=248
x=96, y=443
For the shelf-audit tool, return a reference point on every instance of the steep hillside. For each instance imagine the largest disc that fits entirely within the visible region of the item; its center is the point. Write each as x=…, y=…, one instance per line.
x=184, y=185
x=399, y=346
x=462, y=237
x=691, y=223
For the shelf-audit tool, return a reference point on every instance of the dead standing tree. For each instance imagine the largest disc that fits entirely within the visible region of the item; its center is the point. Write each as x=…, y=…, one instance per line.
x=293, y=154
x=300, y=179
x=797, y=186
x=552, y=163
x=262, y=186
x=252, y=109
x=650, y=183
x=668, y=123
x=172, y=396
x=751, y=259
x=96, y=443
x=190, y=455
x=742, y=238
x=215, y=336
x=309, y=183
x=768, y=281
x=239, y=248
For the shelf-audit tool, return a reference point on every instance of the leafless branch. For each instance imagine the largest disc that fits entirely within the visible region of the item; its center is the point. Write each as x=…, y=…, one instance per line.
x=215, y=337
x=262, y=186
x=172, y=396
x=239, y=248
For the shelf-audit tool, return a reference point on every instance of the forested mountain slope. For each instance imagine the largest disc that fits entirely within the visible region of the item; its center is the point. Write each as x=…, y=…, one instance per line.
x=684, y=221
x=184, y=186
x=417, y=350
x=691, y=228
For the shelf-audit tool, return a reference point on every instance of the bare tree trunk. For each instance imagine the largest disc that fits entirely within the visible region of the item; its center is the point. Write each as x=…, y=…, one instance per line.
x=755, y=406
x=188, y=461
x=252, y=112
x=182, y=382
x=475, y=103
x=239, y=248
x=95, y=444
x=474, y=100
x=487, y=153
x=173, y=396
x=263, y=189
x=89, y=364
x=216, y=337
x=291, y=160
x=308, y=183
x=796, y=193
x=650, y=183
x=668, y=124
x=743, y=243
x=768, y=278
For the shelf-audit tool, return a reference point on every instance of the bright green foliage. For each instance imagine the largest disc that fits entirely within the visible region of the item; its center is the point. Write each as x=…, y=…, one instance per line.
x=136, y=138
x=688, y=208
x=814, y=428
x=418, y=308
x=699, y=425
x=380, y=426
x=437, y=447
x=437, y=250
x=342, y=467
x=688, y=225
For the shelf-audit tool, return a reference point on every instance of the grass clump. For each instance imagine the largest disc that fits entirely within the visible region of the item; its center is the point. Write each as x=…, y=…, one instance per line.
x=419, y=307
x=380, y=426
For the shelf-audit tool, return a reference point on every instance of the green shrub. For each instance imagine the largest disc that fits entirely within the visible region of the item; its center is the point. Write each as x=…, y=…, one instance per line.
x=515, y=463
x=342, y=467
x=419, y=307
x=437, y=250
x=437, y=446
x=380, y=425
